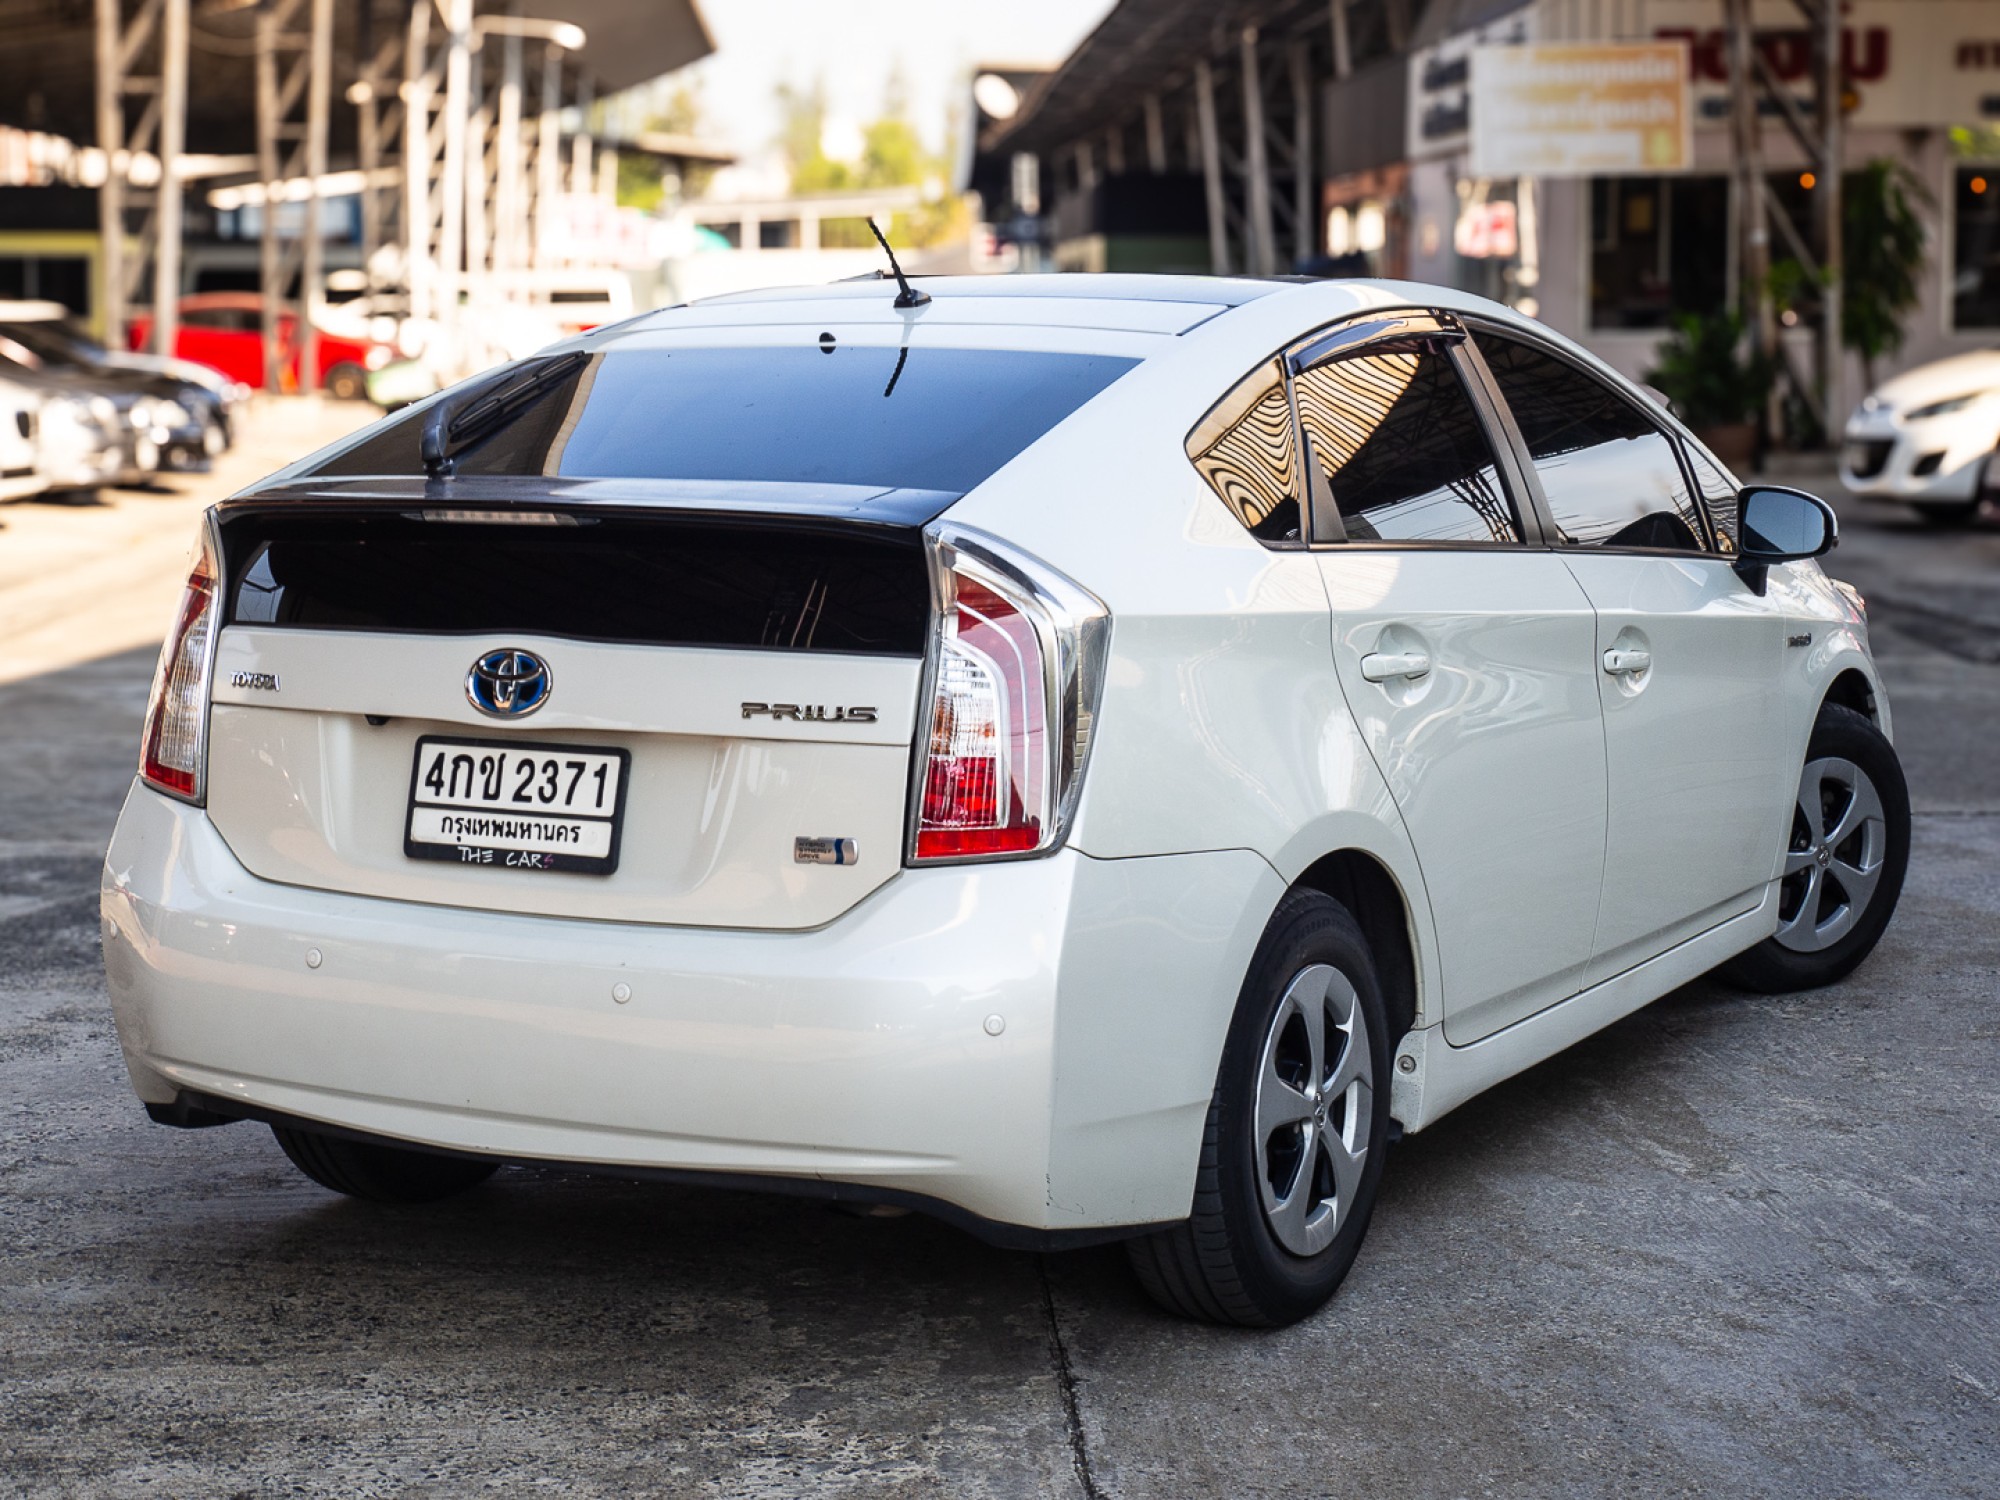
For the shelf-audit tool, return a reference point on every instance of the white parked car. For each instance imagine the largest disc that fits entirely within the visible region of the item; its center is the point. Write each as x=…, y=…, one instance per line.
x=20, y=472
x=1925, y=437
x=1089, y=757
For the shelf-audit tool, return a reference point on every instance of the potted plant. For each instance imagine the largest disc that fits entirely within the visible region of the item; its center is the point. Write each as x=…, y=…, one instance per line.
x=1716, y=387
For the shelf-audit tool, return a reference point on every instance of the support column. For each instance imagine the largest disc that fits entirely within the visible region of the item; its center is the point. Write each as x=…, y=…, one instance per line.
x=478, y=176
x=419, y=94
x=145, y=59
x=1262, y=255
x=111, y=195
x=312, y=273
x=173, y=138
x=1305, y=181
x=270, y=116
x=548, y=158
x=1747, y=184
x=1156, y=137
x=580, y=182
x=1211, y=167
x=381, y=110
x=509, y=220
x=452, y=187
x=1833, y=160
x=1343, y=45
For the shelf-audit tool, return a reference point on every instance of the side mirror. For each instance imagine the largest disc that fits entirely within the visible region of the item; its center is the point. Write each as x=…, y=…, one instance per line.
x=1775, y=525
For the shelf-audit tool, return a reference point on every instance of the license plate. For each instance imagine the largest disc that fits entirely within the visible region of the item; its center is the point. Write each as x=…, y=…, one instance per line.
x=519, y=805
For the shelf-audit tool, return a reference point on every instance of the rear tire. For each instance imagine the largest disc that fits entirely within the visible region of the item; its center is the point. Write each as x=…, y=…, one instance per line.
x=380, y=1174
x=1292, y=1154
x=1844, y=862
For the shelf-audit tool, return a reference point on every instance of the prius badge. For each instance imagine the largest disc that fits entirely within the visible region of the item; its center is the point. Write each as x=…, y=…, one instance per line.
x=509, y=683
x=810, y=713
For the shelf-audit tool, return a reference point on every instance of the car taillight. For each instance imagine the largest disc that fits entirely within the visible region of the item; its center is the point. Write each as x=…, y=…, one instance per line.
x=173, y=753
x=1016, y=660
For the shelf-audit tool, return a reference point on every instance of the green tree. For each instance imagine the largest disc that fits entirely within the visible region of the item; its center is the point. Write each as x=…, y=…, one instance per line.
x=679, y=111
x=892, y=155
x=1883, y=242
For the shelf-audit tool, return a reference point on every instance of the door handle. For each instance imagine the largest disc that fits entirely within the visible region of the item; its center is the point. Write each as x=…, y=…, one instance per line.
x=1627, y=663
x=1382, y=666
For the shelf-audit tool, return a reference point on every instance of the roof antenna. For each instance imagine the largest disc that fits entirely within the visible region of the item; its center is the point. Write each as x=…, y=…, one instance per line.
x=909, y=296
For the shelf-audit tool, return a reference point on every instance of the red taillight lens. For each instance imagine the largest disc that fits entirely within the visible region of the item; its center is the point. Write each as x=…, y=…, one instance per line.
x=1016, y=660
x=985, y=781
x=174, y=744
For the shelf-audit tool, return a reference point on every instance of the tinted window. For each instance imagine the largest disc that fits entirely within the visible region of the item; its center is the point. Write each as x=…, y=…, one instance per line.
x=1610, y=475
x=933, y=419
x=659, y=580
x=1403, y=450
x=1246, y=450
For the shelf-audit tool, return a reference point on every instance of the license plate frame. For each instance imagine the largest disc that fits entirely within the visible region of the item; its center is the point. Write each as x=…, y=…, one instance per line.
x=599, y=837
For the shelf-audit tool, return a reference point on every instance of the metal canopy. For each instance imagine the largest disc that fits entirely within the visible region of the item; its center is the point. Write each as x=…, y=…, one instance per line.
x=1141, y=47
x=48, y=63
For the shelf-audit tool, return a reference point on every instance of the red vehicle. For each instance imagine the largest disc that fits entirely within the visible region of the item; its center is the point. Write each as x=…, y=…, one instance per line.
x=225, y=330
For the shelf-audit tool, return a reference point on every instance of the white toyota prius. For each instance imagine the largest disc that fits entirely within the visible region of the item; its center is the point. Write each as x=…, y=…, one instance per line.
x=1087, y=757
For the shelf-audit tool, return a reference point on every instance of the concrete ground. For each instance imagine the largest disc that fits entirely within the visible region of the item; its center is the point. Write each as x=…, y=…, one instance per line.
x=1732, y=1245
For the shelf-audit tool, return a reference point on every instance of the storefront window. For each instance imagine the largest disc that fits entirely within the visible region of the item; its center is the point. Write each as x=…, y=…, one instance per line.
x=1975, y=247
x=1658, y=246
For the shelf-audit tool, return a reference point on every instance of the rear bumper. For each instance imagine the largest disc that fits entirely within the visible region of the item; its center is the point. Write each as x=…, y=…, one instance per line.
x=856, y=1054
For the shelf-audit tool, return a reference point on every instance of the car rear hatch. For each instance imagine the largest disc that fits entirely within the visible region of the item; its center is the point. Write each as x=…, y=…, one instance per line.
x=627, y=631
x=720, y=734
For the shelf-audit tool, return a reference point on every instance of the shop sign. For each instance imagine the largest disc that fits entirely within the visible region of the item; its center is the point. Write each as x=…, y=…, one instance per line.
x=1440, y=92
x=1579, y=109
x=1903, y=62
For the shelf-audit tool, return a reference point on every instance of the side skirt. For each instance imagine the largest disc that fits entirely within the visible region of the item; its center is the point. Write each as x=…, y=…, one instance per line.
x=1432, y=1077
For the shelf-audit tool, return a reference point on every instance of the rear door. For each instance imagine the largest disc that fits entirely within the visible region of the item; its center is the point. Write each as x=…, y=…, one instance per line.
x=1688, y=659
x=1465, y=654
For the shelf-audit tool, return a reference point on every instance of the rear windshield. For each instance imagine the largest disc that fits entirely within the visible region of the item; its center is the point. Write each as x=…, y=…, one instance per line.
x=929, y=419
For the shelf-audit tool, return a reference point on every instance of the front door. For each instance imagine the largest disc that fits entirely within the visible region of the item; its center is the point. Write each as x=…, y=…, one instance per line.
x=1688, y=662
x=1466, y=658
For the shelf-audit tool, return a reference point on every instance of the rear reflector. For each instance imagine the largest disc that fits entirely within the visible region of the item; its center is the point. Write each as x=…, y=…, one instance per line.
x=174, y=744
x=1016, y=658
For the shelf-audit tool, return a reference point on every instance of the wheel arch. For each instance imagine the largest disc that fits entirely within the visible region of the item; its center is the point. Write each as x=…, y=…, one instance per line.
x=1851, y=688
x=1366, y=887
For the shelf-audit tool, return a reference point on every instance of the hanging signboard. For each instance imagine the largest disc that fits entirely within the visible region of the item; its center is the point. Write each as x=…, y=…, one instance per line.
x=1579, y=109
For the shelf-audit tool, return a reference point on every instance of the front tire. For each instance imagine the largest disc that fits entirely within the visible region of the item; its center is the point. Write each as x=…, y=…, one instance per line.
x=1844, y=862
x=380, y=1173
x=1292, y=1154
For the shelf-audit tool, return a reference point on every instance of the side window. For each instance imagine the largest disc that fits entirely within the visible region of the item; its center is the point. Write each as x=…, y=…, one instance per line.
x=1246, y=450
x=1402, y=448
x=1610, y=474
x=1718, y=494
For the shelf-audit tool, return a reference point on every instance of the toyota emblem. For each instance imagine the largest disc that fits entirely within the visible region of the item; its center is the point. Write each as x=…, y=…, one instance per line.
x=509, y=683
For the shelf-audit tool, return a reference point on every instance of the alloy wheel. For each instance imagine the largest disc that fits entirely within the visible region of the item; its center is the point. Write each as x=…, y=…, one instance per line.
x=1315, y=1105
x=1840, y=837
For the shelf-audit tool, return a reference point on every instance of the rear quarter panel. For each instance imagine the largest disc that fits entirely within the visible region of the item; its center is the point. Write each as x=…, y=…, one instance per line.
x=1222, y=723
